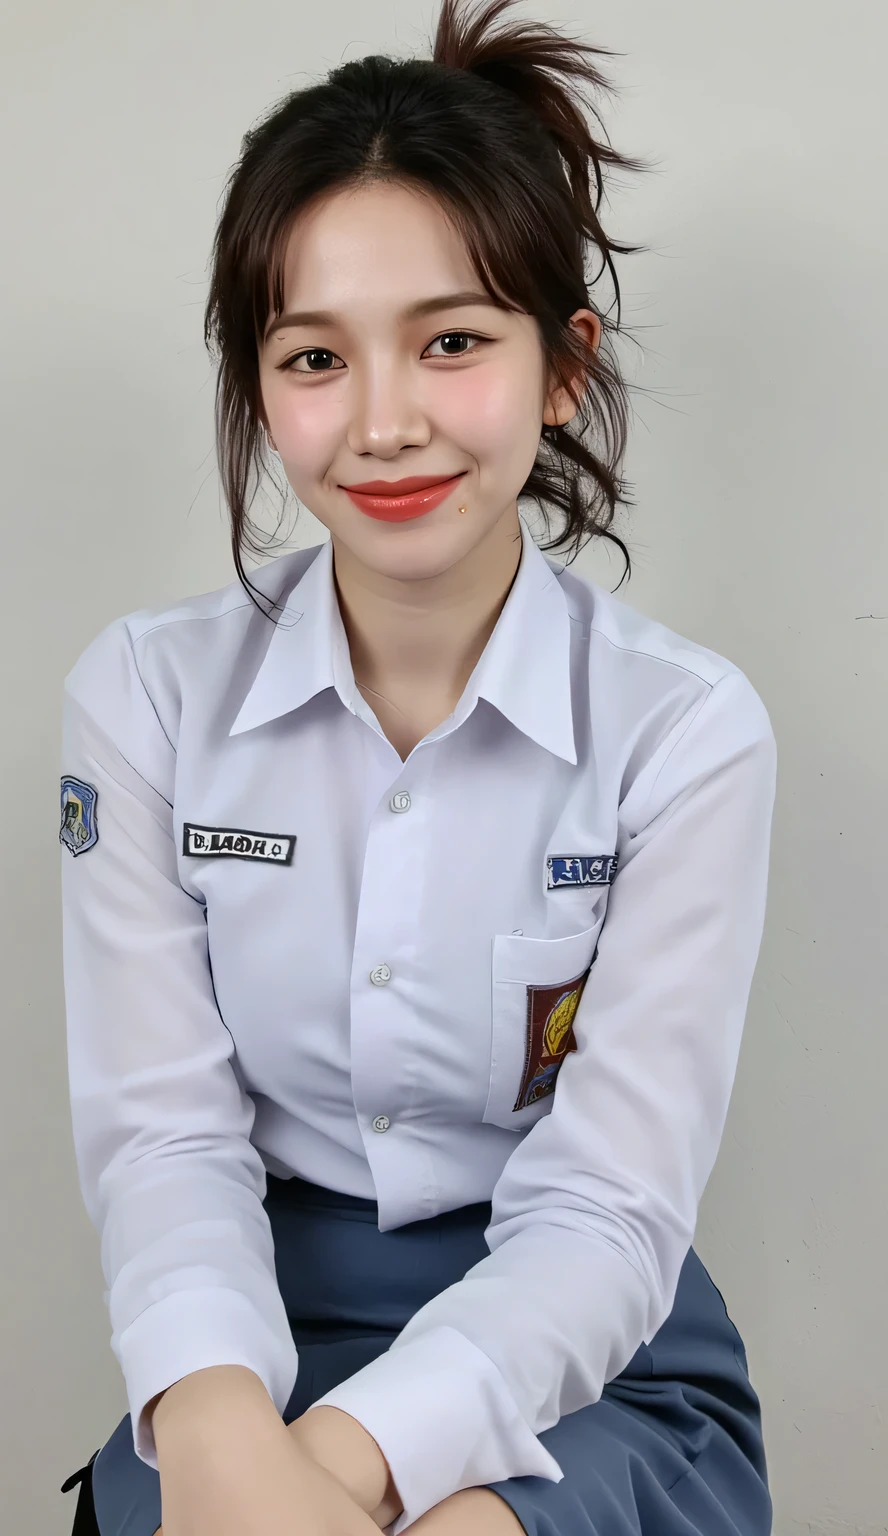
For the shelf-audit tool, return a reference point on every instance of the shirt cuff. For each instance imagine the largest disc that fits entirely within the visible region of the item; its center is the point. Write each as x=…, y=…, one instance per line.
x=190, y=1331
x=444, y=1419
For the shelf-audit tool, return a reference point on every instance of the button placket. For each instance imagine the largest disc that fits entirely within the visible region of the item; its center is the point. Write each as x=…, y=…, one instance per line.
x=383, y=1018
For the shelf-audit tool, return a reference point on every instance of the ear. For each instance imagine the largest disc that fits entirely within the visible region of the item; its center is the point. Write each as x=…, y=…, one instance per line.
x=559, y=407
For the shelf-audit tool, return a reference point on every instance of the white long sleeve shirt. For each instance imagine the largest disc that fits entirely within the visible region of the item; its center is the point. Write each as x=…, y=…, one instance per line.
x=513, y=967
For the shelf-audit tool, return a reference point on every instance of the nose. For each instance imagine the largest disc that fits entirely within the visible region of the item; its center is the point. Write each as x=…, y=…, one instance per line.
x=386, y=414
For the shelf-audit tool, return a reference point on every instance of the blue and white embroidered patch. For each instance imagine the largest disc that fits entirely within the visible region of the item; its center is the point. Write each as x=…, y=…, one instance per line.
x=79, y=830
x=574, y=869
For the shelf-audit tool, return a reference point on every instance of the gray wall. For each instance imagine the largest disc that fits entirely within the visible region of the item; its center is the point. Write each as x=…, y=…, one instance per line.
x=758, y=458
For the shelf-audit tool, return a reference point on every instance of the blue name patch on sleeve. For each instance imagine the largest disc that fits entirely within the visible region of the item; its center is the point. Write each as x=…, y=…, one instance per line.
x=574, y=869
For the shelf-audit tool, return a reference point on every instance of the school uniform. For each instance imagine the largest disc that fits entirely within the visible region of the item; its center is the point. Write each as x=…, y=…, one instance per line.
x=400, y=1082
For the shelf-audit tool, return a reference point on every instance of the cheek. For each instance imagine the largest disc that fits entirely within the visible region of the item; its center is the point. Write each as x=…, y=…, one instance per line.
x=491, y=414
x=306, y=425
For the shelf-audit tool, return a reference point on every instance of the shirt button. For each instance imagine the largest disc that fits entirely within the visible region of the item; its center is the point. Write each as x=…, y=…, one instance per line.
x=380, y=975
x=381, y=1123
x=400, y=801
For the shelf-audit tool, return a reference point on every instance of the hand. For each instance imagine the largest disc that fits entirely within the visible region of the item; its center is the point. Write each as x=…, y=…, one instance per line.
x=342, y=1446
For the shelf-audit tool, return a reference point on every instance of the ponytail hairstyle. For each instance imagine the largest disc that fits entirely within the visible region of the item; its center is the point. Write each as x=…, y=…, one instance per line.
x=493, y=126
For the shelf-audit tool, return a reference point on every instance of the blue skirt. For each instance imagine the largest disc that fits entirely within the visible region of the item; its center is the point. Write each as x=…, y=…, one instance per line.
x=672, y=1448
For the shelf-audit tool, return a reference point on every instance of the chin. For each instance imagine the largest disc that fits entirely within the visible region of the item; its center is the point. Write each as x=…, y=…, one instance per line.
x=406, y=553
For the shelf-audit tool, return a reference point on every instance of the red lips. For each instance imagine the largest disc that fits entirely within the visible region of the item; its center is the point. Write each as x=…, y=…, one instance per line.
x=394, y=501
x=398, y=487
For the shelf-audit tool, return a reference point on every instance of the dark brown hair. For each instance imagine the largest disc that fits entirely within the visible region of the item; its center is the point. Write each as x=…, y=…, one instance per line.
x=493, y=126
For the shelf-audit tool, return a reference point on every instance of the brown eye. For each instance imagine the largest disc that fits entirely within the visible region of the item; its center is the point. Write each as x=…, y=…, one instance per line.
x=448, y=337
x=315, y=353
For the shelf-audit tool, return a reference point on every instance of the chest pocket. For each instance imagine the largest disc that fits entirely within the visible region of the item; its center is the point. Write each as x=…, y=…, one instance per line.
x=537, y=985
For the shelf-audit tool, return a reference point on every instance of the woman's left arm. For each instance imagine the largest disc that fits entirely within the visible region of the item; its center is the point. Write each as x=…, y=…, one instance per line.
x=344, y=1447
x=595, y=1211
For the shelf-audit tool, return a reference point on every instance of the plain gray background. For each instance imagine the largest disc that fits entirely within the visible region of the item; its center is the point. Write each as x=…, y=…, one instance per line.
x=758, y=460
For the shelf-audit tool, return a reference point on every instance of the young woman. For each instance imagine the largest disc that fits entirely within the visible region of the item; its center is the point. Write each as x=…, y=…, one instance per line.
x=414, y=885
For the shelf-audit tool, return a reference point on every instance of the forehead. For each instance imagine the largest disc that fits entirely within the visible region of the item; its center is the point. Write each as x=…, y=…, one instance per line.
x=380, y=246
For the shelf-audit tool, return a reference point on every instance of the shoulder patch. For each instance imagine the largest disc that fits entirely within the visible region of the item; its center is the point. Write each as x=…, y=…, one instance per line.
x=79, y=830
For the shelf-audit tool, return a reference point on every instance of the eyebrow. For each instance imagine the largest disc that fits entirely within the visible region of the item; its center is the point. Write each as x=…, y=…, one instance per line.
x=413, y=311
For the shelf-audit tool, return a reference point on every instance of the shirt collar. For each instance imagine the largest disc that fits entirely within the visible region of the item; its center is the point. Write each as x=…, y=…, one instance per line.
x=524, y=670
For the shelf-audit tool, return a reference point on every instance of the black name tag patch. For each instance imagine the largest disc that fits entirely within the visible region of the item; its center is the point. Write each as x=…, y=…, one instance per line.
x=575, y=869
x=235, y=843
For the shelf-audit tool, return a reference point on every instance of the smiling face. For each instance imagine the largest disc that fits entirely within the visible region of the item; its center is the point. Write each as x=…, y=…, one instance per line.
x=369, y=376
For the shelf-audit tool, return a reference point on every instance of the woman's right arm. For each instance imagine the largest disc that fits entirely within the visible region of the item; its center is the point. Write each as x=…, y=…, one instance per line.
x=229, y=1466
x=161, y=1124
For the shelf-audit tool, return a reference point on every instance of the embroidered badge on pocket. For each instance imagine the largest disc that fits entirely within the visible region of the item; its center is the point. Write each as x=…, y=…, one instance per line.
x=550, y=1036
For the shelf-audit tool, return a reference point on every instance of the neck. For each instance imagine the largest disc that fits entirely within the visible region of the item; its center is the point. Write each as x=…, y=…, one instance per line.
x=426, y=635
